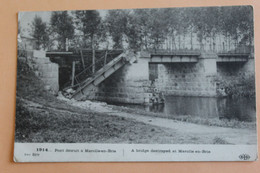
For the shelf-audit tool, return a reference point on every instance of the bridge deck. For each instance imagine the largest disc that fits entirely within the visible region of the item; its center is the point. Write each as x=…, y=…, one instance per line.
x=194, y=57
x=233, y=57
x=174, y=57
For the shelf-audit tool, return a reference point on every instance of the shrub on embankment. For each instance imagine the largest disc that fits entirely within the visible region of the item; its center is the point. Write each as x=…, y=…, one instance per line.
x=242, y=86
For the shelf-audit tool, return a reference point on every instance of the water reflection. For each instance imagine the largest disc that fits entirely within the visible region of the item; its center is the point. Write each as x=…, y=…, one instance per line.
x=242, y=109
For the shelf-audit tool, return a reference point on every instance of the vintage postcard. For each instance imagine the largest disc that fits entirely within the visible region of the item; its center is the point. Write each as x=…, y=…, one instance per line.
x=161, y=84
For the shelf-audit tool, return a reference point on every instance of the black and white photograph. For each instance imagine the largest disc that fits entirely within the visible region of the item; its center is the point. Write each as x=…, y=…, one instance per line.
x=159, y=84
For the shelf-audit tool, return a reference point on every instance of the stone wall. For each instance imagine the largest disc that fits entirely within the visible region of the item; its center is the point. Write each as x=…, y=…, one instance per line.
x=46, y=70
x=133, y=82
x=130, y=84
x=185, y=80
x=188, y=79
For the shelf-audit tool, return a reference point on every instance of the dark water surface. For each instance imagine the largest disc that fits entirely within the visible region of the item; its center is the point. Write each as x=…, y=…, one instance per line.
x=242, y=109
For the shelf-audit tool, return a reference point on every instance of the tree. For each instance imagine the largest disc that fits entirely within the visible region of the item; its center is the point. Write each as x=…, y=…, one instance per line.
x=142, y=30
x=89, y=23
x=133, y=34
x=176, y=27
x=246, y=24
x=157, y=27
x=210, y=20
x=39, y=32
x=116, y=23
x=62, y=25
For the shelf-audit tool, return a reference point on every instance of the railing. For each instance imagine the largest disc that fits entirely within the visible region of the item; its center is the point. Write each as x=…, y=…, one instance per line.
x=235, y=49
x=198, y=48
x=88, y=72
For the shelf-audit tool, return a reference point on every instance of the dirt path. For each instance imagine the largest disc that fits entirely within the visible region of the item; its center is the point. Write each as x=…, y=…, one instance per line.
x=233, y=136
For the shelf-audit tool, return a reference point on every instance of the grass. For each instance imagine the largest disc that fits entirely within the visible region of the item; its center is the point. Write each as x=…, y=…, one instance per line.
x=218, y=140
x=45, y=125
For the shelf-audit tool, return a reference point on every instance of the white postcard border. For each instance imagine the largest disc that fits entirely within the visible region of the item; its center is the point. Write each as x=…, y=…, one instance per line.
x=84, y=152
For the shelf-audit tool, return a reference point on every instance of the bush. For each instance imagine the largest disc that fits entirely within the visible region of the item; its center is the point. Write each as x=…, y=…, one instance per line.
x=237, y=86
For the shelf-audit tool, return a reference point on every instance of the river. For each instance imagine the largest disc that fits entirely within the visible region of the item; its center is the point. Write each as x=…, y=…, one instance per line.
x=241, y=108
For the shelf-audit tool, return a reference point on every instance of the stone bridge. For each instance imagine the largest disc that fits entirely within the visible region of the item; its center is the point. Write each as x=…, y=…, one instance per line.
x=176, y=73
x=185, y=73
x=199, y=74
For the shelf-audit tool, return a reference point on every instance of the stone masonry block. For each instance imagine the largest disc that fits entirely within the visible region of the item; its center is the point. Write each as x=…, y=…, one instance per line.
x=39, y=54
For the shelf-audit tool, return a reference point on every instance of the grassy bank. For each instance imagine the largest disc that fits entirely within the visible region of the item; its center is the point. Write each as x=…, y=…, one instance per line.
x=42, y=124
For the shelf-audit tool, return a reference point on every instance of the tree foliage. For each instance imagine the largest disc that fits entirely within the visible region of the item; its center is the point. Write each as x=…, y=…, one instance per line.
x=177, y=28
x=39, y=32
x=62, y=25
x=150, y=28
x=117, y=24
x=89, y=23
